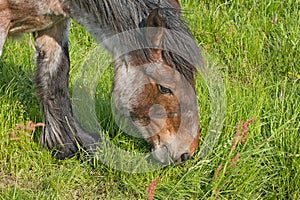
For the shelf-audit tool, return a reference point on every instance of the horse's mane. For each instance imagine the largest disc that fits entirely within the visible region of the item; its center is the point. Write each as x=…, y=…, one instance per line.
x=117, y=16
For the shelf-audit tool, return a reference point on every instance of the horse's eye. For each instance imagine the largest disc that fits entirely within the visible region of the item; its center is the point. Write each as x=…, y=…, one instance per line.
x=164, y=90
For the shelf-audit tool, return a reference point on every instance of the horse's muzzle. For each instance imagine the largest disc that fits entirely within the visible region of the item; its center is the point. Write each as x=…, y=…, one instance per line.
x=164, y=156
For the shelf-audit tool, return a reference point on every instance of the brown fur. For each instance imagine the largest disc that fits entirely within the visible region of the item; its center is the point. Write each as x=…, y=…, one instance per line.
x=38, y=16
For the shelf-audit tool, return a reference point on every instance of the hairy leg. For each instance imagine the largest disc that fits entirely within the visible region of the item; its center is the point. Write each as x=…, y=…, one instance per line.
x=4, y=25
x=61, y=132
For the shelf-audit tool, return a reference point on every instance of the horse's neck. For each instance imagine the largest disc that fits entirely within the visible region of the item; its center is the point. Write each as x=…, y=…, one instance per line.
x=102, y=18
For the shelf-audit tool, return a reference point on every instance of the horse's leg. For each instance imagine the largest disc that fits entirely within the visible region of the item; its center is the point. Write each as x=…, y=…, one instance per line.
x=61, y=132
x=4, y=25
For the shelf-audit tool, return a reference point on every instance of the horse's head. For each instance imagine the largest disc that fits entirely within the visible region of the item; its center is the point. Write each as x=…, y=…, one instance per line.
x=157, y=98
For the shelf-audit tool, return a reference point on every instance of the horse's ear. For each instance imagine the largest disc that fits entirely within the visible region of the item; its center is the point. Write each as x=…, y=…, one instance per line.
x=175, y=4
x=154, y=35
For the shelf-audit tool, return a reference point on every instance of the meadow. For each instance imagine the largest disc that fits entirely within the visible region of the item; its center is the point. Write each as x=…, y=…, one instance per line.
x=256, y=47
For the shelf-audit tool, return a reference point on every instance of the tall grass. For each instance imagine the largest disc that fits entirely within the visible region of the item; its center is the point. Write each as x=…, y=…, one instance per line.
x=256, y=46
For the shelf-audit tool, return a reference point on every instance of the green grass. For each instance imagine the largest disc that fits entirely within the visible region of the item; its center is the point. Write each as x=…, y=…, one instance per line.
x=255, y=44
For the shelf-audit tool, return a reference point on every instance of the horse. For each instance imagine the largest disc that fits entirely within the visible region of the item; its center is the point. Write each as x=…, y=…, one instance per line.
x=162, y=109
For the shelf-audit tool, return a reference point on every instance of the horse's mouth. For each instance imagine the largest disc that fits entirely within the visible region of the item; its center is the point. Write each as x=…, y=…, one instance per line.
x=163, y=155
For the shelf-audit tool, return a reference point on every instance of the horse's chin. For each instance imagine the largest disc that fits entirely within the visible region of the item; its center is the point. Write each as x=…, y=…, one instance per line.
x=162, y=155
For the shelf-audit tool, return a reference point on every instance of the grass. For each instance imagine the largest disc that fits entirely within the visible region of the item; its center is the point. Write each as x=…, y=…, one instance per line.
x=256, y=46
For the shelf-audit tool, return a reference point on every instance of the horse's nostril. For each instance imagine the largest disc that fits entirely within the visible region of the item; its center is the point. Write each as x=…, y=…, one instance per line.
x=185, y=156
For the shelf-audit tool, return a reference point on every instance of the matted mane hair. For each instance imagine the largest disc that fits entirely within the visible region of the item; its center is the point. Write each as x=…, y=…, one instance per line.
x=116, y=16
